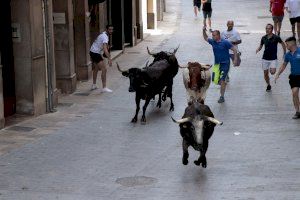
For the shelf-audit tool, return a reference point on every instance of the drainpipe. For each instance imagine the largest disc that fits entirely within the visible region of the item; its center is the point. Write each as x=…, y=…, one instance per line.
x=49, y=66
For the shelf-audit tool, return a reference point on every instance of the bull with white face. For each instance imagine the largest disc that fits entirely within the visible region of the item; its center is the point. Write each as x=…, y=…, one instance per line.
x=196, y=79
x=196, y=127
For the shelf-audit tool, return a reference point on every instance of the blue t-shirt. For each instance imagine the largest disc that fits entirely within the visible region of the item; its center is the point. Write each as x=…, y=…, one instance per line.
x=221, y=50
x=294, y=60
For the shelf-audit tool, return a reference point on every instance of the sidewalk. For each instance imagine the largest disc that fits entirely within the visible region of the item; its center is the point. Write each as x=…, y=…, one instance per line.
x=25, y=129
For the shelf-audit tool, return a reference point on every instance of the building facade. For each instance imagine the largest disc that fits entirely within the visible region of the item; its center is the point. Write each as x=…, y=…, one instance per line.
x=44, y=46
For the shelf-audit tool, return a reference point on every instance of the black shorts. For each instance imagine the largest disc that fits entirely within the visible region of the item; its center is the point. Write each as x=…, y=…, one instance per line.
x=294, y=81
x=95, y=57
x=197, y=3
x=294, y=20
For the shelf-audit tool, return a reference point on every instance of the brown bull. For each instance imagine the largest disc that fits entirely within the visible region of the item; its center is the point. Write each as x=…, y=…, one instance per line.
x=196, y=79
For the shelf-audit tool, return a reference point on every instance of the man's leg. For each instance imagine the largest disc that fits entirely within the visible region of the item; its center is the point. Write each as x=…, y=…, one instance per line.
x=275, y=25
x=223, y=88
x=209, y=23
x=295, y=92
x=279, y=28
x=95, y=72
x=103, y=73
x=266, y=76
x=195, y=10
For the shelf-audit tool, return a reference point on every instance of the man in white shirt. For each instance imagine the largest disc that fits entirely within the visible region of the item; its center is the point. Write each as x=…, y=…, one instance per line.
x=100, y=49
x=233, y=36
x=293, y=8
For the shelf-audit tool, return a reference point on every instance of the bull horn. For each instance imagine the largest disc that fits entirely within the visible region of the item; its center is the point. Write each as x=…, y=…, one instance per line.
x=206, y=66
x=149, y=52
x=147, y=63
x=175, y=50
x=215, y=121
x=183, y=66
x=119, y=68
x=180, y=121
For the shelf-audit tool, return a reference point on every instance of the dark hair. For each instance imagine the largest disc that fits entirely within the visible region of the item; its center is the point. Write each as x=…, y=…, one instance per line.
x=270, y=25
x=289, y=39
x=109, y=25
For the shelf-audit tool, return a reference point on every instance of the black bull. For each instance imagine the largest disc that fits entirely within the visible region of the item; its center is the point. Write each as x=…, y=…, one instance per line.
x=151, y=80
x=196, y=127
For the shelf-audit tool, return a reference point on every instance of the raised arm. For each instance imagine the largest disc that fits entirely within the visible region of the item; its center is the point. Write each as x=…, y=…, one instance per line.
x=205, y=34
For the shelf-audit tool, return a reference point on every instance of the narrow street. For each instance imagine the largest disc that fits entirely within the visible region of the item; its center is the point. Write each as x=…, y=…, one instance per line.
x=89, y=149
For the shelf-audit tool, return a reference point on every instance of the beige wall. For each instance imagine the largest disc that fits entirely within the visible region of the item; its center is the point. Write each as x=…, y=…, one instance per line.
x=64, y=47
x=82, y=40
x=29, y=57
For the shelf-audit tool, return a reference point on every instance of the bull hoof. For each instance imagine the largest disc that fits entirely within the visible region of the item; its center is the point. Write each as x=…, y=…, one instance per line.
x=164, y=98
x=134, y=120
x=171, y=108
x=185, y=162
x=197, y=162
x=204, y=165
x=143, y=120
x=158, y=105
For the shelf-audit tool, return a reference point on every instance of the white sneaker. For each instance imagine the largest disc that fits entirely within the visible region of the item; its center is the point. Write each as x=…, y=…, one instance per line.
x=106, y=90
x=94, y=87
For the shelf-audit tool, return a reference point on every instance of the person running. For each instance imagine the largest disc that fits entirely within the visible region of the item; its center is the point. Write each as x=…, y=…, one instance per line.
x=207, y=11
x=221, y=53
x=197, y=6
x=292, y=57
x=277, y=10
x=101, y=47
x=293, y=8
x=269, y=59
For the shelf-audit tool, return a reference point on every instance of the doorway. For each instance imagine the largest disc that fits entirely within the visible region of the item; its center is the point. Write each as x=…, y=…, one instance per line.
x=7, y=59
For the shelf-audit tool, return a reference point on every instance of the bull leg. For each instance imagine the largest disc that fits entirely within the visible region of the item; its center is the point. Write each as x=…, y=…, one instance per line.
x=137, y=101
x=172, y=105
x=143, y=119
x=202, y=157
x=164, y=96
x=159, y=101
x=185, y=156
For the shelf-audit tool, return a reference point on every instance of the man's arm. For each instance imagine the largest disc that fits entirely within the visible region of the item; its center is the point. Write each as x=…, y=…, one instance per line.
x=205, y=34
x=259, y=48
x=271, y=2
x=236, y=42
x=283, y=48
x=281, y=69
x=235, y=54
x=105, y=49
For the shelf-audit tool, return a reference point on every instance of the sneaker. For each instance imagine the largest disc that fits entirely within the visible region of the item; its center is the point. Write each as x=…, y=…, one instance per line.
x=94, y=87
x=297, y=115
x=106, y=90
x=221, y=100
x=268, y=88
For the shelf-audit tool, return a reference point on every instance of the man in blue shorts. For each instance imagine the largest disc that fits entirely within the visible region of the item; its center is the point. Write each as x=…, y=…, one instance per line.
x=292, y=57
x=221, y=52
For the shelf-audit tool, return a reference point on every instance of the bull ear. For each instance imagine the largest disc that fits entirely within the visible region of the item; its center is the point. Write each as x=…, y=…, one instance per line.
x=126, y=73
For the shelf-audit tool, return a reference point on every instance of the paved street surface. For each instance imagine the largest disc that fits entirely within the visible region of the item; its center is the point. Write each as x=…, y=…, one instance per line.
x=88, y=149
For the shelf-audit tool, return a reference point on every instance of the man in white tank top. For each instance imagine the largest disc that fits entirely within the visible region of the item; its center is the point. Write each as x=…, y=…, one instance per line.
x=100, y=49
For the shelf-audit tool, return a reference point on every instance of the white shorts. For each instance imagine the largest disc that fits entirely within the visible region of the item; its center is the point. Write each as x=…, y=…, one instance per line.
x=267, y=64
